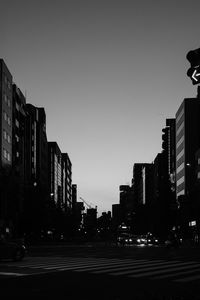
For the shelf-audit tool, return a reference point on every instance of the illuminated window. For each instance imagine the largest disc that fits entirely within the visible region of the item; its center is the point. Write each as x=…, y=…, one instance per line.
x=17, y=138
x=6, y=155
x=17, y=123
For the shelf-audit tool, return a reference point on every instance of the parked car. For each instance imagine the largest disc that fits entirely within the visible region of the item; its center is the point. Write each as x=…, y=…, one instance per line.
x=14, y=250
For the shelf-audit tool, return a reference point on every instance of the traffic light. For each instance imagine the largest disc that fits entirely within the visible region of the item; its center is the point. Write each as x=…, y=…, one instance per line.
x=193, y=72
x=193, y=57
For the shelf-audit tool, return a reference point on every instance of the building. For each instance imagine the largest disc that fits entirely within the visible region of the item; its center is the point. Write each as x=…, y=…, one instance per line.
x=6, y=116
x=5, y=145
x=170, y=148
x=147, y=184
x=36, y=170
x=187, y=146
x=66, y=182
x=55, y=174
x=18, y=157
x=140, y=183
x=187, y=143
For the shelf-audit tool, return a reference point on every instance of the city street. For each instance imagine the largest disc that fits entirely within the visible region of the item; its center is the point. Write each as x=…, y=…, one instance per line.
x=103, y=272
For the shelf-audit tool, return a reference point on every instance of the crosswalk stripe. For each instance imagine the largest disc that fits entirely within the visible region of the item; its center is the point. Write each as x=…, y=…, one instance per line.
x=170, y=269
x=12, y=274
x=92, y=266
x=87, y=264
x=170, y=275
x=131, y=268
x=47, y=261
x=135, y=268
x=70, y=261
x=147, y=268
x=116, y=265
x=59, y=263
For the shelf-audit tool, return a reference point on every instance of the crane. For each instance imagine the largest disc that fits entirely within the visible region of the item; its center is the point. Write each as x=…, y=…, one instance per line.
x=88, y=205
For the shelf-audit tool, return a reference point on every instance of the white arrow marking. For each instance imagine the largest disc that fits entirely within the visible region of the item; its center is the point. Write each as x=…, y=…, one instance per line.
x=195, y=75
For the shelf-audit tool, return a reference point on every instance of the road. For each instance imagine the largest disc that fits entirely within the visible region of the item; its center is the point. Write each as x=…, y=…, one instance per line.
x=103, y=272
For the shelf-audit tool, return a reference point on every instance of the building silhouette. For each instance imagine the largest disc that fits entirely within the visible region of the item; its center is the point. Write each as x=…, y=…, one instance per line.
x=5, y=145
x=66, y=182
x=19, y=162
x=187, y=163
x=35, y=177
x=187, y=143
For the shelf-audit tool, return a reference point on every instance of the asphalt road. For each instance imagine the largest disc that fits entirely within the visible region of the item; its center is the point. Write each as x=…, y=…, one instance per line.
x=103, y=272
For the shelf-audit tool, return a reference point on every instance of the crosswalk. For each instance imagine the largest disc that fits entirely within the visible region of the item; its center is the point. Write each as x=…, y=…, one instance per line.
x=154, y=269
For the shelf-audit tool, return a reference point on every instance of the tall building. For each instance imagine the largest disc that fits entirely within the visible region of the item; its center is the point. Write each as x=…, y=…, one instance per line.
x=74, y=195
x=36, y=179
x=55, y=173
x=140, y=187
x=5, y=144
x=67, y=182
x=6, y=115
x=170, y=148
x=18, y=157
x=187, y=143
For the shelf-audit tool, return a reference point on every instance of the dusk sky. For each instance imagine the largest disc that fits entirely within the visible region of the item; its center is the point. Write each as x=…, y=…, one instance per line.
x=108, y=74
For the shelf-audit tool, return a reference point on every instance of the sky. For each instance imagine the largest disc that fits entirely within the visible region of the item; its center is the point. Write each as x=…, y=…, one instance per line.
x=108, y=74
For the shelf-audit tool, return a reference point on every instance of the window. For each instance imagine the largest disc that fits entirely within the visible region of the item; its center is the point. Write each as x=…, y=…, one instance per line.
x=6, y=155
x=9, y=120
x=17, y=106
x=6, y=136
x=7, y=100
x=17, y=123
x=5, y=116
x=17, y=138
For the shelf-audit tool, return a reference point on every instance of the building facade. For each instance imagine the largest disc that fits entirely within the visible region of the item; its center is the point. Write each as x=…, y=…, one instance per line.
x=66, y=182
x=6, y=116
x=187, y=143
x=18, y=157
x=5, y=145
x=55, y=173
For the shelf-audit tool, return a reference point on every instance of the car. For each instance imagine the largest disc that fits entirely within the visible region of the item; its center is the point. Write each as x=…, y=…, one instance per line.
x=14, y=250
x=124, y=239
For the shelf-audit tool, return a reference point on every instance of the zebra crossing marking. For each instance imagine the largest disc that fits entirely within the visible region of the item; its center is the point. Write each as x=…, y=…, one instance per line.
x=174, y=274
x=169, y=269
x=157, y=267
x=91, y=268
x=132, y=268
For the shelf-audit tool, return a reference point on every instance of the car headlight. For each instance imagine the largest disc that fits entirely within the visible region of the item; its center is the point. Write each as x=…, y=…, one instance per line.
x=138, y=240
